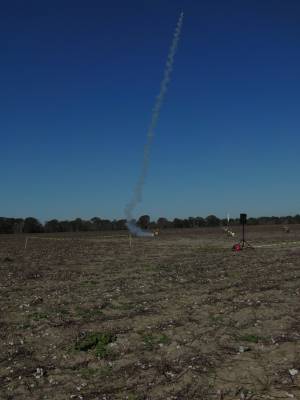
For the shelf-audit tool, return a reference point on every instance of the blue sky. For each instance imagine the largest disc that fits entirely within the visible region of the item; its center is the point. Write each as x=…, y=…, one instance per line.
x=78, y=83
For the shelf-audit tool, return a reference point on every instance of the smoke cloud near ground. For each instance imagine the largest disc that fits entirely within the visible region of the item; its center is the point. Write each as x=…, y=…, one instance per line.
x=138, y=190
x=136, y=230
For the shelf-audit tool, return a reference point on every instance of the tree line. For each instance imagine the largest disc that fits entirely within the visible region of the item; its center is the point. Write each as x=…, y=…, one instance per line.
x=33, y=225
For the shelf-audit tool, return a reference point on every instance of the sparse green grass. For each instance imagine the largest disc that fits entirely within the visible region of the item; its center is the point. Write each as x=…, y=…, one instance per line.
x=164, y=339
x=61, y=311
x=121, y=306
x=89, y=283
x=250, y=338
x=149, y=342
x=24, y=326
x=234, y=275
x=106, y=371
x=245, y=393
x=88, y=372
x=152, y=341
x=216, y=318
x=180, y=314
x=131, y=397
x=149, y=267
x=96, y=341
x=38, y=316
x=88, y=313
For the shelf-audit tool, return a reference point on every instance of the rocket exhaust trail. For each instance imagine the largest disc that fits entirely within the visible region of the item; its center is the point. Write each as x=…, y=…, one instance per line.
x=138, y=190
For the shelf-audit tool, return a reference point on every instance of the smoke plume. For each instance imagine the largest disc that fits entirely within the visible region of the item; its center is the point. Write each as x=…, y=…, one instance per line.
x=138, y=190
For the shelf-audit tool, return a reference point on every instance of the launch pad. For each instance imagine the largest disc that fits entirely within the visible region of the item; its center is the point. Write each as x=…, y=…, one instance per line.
x=243, y=243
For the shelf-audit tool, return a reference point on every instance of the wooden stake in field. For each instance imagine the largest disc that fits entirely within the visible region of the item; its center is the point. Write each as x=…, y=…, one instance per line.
x=25, y=246
x=130, y=240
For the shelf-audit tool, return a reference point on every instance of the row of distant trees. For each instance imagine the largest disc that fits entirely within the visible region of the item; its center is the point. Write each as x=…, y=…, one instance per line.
x=32, y=225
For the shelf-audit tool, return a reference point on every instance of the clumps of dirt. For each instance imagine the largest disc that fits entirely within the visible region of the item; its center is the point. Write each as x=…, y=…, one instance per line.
x=175, y=318
x=8, y=259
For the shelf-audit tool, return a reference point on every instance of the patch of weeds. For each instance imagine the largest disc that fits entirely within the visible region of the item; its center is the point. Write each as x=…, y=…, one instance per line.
x=24, y=326
x=140, y=309
x=97, y=342
x=61, y=311
x=88, y=372
x=149, y=267
x=88, y=313
x=121, y=306
x=250, y=338
x=164, y=339
x=105, y=371
x=216, y=318
x=234, y=275
x=131, y=396
x=151, y=341
x=90, y=283
x=38, y=316
x=245, y=394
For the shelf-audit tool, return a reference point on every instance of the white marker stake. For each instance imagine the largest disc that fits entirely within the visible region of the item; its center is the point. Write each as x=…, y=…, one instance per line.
x=129, y=240
x=26, y=242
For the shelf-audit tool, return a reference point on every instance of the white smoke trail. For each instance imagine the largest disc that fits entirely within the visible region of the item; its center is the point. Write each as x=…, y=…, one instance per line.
x=138, y=190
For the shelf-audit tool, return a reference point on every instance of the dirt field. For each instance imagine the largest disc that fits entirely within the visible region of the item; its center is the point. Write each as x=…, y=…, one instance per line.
x=180, y=316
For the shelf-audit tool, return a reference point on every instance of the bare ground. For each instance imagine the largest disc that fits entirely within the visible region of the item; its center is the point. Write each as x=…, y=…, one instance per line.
x=180, y=316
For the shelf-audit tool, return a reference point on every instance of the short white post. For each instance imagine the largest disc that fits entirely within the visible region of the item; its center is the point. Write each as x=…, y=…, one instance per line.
x=26, y=242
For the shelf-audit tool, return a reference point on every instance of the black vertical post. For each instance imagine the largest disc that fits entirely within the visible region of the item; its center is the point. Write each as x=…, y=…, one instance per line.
x=243, y=233
x=243, y=221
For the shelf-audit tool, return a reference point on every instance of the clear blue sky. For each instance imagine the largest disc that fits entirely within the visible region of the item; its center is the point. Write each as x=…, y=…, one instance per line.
x=78, y=82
